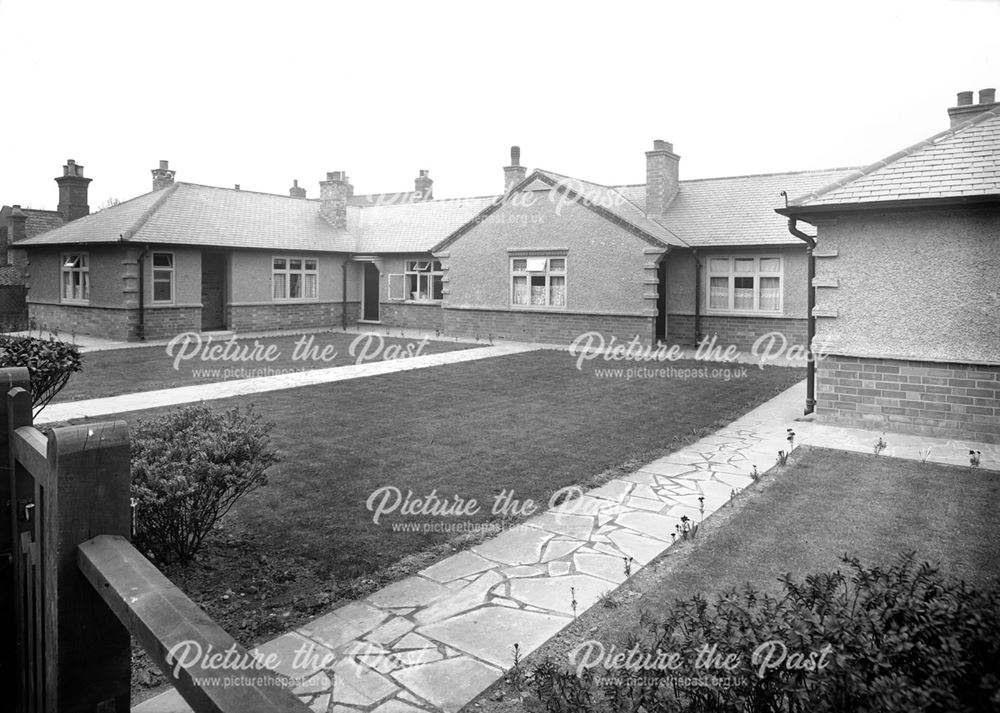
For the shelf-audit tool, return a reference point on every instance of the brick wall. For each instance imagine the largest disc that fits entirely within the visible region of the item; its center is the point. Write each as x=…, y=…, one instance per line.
x=107, y=322
x=927, y=398
x=167, y=322
x=412, y=316
x=741, y=331
x=544, y=327
x=299, y=315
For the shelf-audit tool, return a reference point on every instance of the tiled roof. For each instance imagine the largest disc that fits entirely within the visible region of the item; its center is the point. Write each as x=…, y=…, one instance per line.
x=733, y=211
x=411, y=227
x=188, y=214
x=962, y=162
x=616, y=202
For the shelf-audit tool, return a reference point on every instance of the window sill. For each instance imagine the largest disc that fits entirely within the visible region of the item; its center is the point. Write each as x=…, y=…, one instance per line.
x=294, y=300
x=64, y=301
x=538, y=308
x=724, y=313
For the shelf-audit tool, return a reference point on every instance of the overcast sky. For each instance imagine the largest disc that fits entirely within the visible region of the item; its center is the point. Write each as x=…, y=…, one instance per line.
x=260, y=93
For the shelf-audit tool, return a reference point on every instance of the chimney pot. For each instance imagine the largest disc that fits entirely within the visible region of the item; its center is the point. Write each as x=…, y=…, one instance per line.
x=964, y=98
x=334, y=193
x=662, y=176
x=237, y=187
x=295, y=191
x=73, y=191
x=987, y=96
x=966, y=110
x=515, y=172
x=423, y=186
x=163, y=177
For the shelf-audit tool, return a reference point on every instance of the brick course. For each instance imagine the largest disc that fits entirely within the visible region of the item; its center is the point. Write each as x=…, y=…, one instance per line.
x=412, y=316
x=926, y=398
x=109, y=322
x=296, y=315
x=545, y=327
x=741, y=331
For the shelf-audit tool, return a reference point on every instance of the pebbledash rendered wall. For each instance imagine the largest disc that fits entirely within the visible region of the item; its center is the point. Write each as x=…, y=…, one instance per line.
x=908, y=316
x=740, y=329
x=610, y=275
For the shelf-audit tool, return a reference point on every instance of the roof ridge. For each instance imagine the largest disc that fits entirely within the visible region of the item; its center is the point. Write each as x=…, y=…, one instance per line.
x=747, y=175
x=241, y=190
x=893, y=158
x=129, y=234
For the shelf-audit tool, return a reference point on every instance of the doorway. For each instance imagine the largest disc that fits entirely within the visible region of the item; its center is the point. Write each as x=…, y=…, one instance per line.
x=370, y=294
x=213, y=291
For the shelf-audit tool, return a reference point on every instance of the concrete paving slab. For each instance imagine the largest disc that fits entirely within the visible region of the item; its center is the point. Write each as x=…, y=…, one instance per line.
x=457, y=566
x=449, y=684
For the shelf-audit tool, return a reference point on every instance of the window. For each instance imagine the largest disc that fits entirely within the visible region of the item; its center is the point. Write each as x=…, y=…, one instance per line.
x=76, y=277
x=538, y=281
x=744, y=284
x=423, y=279
x=293, y=278
x=163, y=277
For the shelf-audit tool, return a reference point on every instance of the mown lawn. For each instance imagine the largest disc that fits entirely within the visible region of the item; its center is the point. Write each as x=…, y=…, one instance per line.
x=527, y=424
x=121, y=371
x=832, y=503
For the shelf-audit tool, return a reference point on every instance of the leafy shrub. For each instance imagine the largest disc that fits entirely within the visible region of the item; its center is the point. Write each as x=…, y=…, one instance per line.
x=903, y=638
x=188, y=469
x=50, y=364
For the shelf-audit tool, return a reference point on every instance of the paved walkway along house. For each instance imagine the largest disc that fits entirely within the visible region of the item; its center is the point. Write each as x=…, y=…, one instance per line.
x=435, y=640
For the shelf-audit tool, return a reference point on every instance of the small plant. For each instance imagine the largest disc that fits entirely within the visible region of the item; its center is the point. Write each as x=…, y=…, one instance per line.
x=515, y=676
x=782, y=457
x=974, y=458
x=880, y=445
x=791, y=439
x=608, y=600
x=673, y=537
x=573, y=602
x=628, y=566
x=685, y=526
x=188, y=469
x=754, y=474
x=924, y=453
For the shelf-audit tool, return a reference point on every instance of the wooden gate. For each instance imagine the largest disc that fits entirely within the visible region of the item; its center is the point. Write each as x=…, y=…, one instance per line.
x=80, y=590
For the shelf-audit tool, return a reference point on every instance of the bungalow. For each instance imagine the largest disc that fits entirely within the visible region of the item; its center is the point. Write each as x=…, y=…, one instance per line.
x=549, y=258
x=907, y=257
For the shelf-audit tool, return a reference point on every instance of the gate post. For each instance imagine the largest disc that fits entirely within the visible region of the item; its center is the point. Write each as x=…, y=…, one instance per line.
x=91, y=660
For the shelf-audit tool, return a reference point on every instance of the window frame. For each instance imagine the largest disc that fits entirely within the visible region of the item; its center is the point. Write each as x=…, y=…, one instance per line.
x=732, y=274
x=432, y=269
x=547, y=272
x=287, y=271
x=171, y=270
x=81, y=270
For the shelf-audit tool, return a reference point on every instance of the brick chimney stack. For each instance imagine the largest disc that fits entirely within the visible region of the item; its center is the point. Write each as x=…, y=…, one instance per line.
x=163, y=177
x=295, y=191
x=73, y=192
x=423, y=185
x=18, y=220
x=661, y=177
x=965, y=109
x=333, y=194
x=515, y=172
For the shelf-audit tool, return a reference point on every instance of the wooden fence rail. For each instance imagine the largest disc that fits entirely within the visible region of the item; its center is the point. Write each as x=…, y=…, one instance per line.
x=80, y=590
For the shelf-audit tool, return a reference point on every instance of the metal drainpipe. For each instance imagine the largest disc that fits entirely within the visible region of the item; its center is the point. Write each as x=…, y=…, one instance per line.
x=810, y=242
x=142, y=294
x=697, y=297
x=343, y=298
